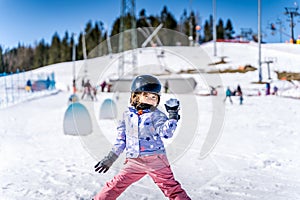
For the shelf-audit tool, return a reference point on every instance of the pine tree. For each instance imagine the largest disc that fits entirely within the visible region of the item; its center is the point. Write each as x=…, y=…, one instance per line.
x=229, y=30
x=142, y=20
x=1, y=61
x=95, y=38
x=79, y=49
x=25, y=57
x=40, y=55
x=183, y=24
x=220, y=29
x=115, y=27
x=207, y=32
x=154, y=21
x=11, y=59
x=65, y=50
x=168, y=19
x=89, y=37
x=193, y=24
x=54, y=50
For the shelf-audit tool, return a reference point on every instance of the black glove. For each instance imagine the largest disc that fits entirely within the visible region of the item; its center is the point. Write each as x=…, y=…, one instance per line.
x=172, y=107
x=106, y=162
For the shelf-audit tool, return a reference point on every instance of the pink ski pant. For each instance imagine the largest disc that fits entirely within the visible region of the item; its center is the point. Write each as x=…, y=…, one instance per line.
x=156, y=166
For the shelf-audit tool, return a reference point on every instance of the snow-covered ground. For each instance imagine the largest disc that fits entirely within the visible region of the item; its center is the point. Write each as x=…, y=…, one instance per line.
x=256, y=156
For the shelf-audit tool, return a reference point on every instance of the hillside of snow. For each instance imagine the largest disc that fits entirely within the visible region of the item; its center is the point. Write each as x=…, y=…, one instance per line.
x=255, y=155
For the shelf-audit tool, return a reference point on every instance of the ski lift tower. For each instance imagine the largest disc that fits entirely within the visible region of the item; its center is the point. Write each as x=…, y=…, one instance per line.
x=127, y=41
x=291, y=13
x=246, y=33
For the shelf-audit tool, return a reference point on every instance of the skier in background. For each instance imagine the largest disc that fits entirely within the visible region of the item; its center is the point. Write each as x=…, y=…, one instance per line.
x=213, y=91
x=95, y=93
x=82, y=84
x=166, y=86
x=48, y=83
x=268, y=88
x=140, y=133
x=228, y=95
x=239, y=90
x=52, y=84
x=275, y=90
x=74, y=86
x=103, y=85
x=87, y=90
x=109, y=85
x=241, y=98
x=240, y=94
x=28, y=86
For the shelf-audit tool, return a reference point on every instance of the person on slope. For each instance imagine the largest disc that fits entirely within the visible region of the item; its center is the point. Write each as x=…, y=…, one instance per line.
x=87, y=90
x=228, y=95
x=140, y=133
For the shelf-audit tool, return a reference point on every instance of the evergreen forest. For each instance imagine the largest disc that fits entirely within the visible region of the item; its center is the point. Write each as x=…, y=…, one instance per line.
x=60, y=49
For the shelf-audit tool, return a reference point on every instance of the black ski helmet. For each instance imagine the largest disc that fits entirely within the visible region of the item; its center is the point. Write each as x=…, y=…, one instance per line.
x=146, y=83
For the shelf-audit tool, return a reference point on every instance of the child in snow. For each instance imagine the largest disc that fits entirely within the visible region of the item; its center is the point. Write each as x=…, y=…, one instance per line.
x=140, y=133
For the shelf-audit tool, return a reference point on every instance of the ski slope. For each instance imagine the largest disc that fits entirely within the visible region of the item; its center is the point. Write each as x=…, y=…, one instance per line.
x=255, y=157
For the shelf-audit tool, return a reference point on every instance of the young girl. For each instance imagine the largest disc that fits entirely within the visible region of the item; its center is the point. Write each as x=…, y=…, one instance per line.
x=140, y=133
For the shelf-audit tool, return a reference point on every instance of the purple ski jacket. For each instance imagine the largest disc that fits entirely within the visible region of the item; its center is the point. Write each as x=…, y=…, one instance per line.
x=141, y=134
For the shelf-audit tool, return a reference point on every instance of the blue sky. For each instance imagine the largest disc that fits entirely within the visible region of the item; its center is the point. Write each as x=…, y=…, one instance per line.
x=29, y=21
